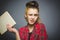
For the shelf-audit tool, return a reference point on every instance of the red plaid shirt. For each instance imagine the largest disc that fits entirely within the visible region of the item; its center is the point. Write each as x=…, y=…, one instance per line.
x=39, y=32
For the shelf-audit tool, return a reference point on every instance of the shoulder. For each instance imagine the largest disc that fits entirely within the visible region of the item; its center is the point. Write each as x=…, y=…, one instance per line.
x=39, y=25
x=22, y=28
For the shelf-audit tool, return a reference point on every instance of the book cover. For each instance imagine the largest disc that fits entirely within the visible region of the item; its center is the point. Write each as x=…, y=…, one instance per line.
x=5, y=18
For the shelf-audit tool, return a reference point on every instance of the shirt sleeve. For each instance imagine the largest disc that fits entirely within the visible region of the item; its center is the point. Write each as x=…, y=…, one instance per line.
x=43, y=33
x=21, y=33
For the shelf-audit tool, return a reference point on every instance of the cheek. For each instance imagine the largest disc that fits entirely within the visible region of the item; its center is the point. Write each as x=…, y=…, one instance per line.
x=35, y=18
x=29, y=18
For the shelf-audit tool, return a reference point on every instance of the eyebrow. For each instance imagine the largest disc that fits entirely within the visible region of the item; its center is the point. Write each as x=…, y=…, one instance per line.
x=34, y=14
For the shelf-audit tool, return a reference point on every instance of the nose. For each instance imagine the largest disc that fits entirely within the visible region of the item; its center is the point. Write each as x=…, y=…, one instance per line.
x=33, y=16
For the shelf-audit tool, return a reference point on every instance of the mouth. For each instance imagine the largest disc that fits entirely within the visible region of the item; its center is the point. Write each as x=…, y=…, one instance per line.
x=32, y=20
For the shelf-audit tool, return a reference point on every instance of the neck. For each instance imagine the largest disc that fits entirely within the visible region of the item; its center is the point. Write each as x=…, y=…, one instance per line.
x=30, y=27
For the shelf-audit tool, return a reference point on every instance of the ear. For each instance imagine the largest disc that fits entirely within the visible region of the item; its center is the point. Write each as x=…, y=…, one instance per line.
x=25, y=15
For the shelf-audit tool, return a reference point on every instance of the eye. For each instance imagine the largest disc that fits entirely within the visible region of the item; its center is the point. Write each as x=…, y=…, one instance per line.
x=30, y=14
x=35, y=14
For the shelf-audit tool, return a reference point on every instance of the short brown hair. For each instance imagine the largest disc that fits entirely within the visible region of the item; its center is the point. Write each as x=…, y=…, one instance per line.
x=32, y=4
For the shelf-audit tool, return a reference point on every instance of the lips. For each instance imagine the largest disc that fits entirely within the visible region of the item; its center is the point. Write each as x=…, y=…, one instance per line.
x=32, y=20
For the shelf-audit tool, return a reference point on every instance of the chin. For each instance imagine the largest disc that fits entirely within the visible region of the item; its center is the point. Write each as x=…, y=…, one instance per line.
x=31, y=23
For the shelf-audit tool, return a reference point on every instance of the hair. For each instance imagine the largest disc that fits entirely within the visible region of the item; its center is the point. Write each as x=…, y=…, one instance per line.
x=32, y=4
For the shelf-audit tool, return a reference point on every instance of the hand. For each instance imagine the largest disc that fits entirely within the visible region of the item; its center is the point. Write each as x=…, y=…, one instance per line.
x=9, y=27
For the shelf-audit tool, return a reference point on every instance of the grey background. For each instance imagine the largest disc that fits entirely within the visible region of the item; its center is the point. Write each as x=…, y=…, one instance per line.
x=49, y=14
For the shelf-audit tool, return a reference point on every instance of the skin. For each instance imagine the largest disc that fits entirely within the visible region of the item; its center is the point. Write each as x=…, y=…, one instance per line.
x=14, y=30
x=32, y=16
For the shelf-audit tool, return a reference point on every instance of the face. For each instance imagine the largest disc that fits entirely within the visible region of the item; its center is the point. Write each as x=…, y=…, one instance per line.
x=32, y=15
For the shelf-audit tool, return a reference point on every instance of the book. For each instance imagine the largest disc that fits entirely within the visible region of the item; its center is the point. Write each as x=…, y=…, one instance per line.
x=5, y=18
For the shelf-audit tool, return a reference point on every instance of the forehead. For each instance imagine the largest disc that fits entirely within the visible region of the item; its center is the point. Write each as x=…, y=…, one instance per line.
x=32, y=11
